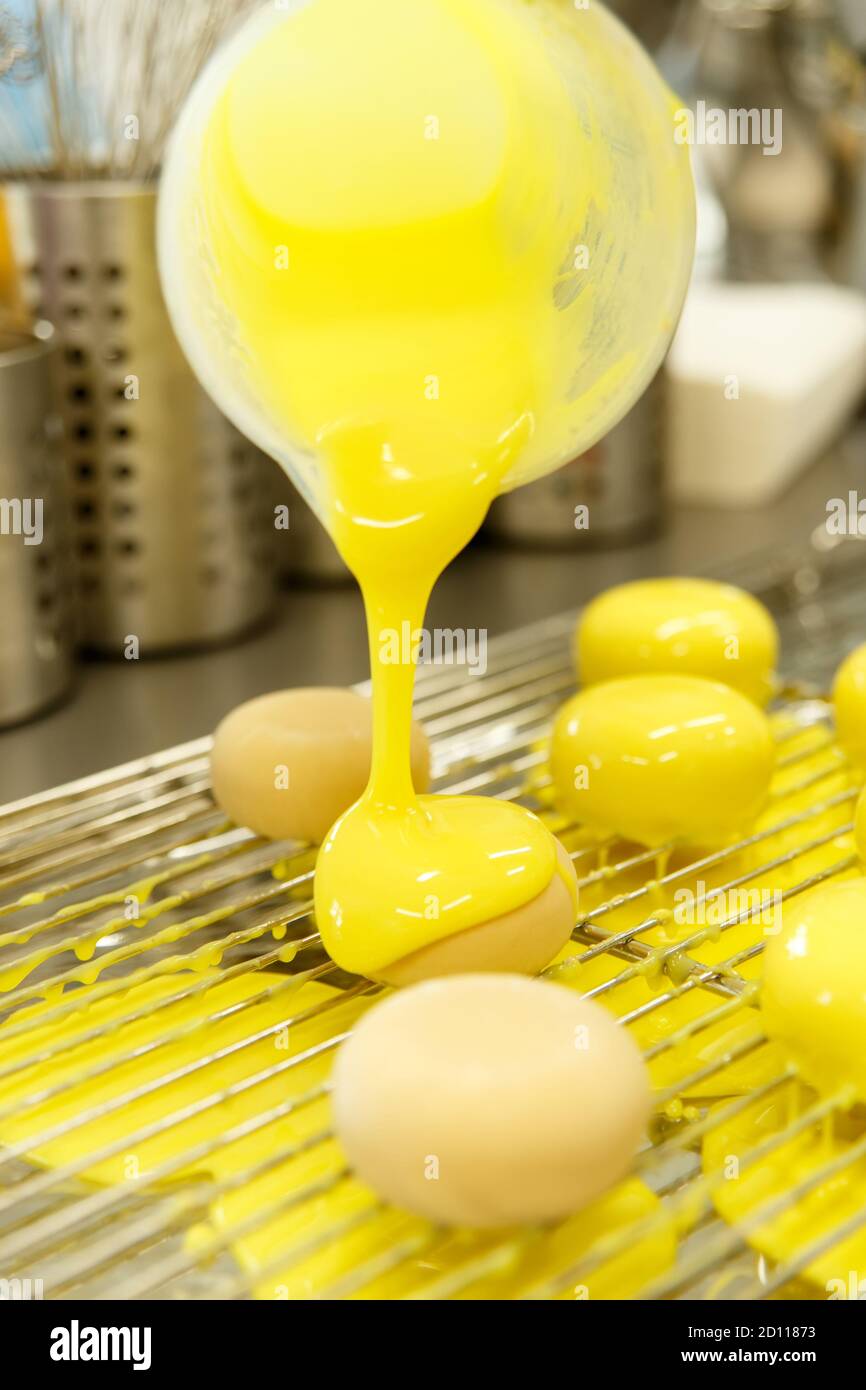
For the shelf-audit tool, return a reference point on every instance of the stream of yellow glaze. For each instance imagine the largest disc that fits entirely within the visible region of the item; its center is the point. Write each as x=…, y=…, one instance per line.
x=407, y=330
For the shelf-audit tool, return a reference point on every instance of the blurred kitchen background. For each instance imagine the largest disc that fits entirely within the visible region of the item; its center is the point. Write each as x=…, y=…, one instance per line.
x=171, y=572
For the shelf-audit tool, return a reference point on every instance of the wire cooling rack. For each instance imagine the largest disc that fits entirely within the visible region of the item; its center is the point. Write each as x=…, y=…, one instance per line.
x=168, y=1020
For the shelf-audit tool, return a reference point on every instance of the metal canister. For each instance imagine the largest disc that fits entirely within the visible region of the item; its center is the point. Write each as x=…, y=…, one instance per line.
x=171, y=516
x=610, y=494
x=35, y=621
x=305, y=552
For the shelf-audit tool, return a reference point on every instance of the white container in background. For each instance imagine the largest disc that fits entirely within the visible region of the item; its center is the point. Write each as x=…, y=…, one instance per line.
x=760, y=379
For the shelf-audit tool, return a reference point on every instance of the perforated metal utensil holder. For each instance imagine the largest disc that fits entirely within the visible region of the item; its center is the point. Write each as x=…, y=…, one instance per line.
x=35, y=621
x=172, y=515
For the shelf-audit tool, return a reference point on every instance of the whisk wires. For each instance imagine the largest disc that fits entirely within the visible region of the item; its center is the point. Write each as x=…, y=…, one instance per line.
x=89, y=89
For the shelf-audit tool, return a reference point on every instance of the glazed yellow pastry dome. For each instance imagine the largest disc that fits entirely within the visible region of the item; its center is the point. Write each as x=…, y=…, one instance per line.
x=813, y=997
x=694, y=627
x=662, y=757
x=849, y=706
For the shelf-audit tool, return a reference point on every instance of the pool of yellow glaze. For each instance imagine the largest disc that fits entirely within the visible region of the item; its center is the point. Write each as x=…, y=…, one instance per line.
x=260, y=1108
x=744, y=1189
x=254, y=1025
x=406, y=330
x=291, y=1257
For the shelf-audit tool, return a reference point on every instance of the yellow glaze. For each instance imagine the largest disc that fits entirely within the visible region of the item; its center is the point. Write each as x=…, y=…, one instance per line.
x=718, y=912
x=860, y=827
x=813, y=997
x=694, y=627
x=290, y=1257
x=849, y=706
x=410, y=335
x=259, y=1108
x=411, y=312
x=661, y=757
x=756, y=1171
x=166, y=1040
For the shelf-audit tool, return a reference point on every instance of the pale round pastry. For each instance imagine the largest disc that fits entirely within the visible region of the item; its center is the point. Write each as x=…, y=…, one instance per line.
x=849, y=706
x=694, y=627
x=813, y=996
x=659, y=758
x=521, y=942
x=289, y=763
x=490, y=1100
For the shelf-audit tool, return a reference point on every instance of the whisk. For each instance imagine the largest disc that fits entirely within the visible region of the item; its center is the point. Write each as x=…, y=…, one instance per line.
x=90, y=88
